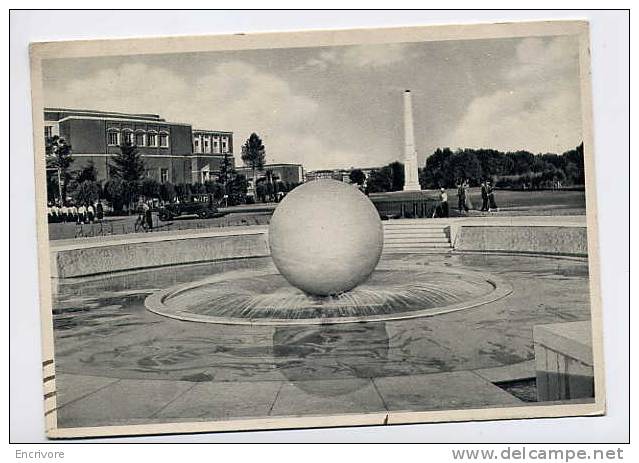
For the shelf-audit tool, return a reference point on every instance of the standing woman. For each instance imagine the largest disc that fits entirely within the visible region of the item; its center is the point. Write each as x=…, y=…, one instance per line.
x=468, y=203
x=491, y=197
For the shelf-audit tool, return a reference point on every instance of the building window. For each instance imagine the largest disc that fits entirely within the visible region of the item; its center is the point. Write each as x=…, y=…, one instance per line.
x=151, y=140
x=128, y=138
x=164, y=175
x=164, y=140
x=139, y=139
x=224, y=145
x=196, y=144
x=216, y=146
x=48, y=131
x=206, y=146
x=113, y=138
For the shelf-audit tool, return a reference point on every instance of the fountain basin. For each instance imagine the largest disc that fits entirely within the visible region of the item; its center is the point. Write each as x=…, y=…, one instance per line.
x=395, y=291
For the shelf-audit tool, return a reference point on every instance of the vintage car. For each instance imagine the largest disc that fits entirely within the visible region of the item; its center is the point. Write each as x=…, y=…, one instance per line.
x=201, y=209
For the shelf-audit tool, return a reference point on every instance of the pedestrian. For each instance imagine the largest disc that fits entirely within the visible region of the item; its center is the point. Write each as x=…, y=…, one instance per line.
x=49, y=212
x=73, y=213
x=468, y=205
x=90, y=213
x=82, y=211
x=99, y=211
x=148, y=216
x=54, y=213
x=461, y=196
x=491, y=198
x=484, y=196
x=443, y=203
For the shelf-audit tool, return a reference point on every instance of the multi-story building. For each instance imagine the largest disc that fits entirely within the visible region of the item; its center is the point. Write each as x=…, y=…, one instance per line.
x=167, y=148
x=209, y=149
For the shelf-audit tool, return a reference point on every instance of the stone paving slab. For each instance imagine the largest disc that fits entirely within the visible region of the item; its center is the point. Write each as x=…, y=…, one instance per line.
x=73, y=387
x=124, y=400
x=224, y=400
x=328, y=397
x=114, y=402
x=454, y=390
x=514, y=372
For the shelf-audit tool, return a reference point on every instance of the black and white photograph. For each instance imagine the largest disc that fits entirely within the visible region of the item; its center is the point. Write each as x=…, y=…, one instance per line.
x=315, y=229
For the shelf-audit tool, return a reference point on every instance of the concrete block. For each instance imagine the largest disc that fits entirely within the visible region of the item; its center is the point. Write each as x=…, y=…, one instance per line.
x=563, y=361
x=546, y=239
x=123, y=254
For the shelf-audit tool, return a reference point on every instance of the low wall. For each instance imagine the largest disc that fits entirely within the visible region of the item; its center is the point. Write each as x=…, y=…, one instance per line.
x=114, y=256
x=563, y=360
x=564, y=240
x=96, y=256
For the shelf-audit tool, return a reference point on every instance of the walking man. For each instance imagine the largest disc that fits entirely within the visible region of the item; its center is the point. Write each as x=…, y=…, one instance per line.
x=484, y=196
x=443, y=203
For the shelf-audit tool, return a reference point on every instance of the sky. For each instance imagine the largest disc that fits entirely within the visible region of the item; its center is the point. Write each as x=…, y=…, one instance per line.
x=341, y=106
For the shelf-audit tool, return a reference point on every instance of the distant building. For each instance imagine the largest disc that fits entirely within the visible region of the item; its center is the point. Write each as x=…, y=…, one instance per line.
x=167, y=148
x=343, y=175
x=288, y=173
x=209, y=149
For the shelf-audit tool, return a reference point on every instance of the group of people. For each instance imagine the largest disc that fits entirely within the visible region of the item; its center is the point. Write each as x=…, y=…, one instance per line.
x=72, y=213
x=464, y=203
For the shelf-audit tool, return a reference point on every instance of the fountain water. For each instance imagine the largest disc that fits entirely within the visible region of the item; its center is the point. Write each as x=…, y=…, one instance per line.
x=326, y=240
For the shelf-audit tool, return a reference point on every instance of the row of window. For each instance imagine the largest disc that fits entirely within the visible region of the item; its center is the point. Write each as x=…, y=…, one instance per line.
x=206, y=147
x=152, y=140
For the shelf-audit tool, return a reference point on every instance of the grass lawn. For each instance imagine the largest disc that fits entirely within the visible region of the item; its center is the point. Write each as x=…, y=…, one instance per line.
x=508, y=199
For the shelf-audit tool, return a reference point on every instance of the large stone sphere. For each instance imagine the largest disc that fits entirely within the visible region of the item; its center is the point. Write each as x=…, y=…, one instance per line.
x=326, y=237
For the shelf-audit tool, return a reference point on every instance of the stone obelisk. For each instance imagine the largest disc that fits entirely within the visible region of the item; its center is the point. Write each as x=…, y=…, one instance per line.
x=411, y=180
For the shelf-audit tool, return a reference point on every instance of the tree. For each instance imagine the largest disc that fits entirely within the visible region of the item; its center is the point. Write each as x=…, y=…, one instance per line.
x=436, y=172
x=128, y=167
x=87, y=192
x=128, y=164
x=167, y=191
x=575, y=165
x=59, y=160
x=464, y=165
x=87, y=173
x=226, y=169
x=183, y=189
x=150, y=188
x=215, y=188
x=198, y=188
x=254, y=154
x=518, y=169
x=357, y=176
x=397, y=175
x=236, y=189
x=118, y=193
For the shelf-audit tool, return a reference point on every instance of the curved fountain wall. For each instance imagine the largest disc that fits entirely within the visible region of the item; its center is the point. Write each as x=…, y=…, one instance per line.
x=85, y=257
x=94, y=257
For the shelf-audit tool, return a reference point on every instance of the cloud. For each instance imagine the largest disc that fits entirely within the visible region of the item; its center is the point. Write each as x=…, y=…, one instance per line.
x=537, y=106
x=360, y=56
x=231, y=95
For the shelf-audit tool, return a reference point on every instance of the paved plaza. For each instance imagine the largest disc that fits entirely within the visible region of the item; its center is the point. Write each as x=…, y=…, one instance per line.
x=117, y=363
